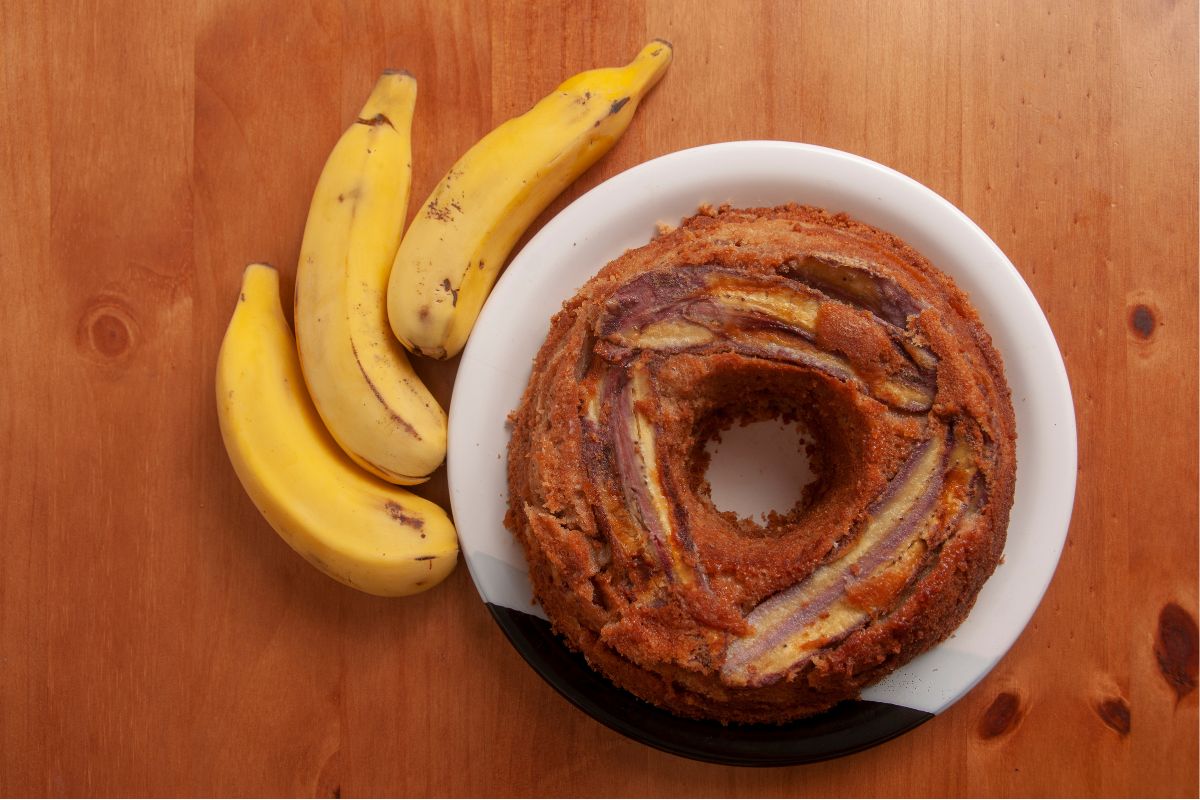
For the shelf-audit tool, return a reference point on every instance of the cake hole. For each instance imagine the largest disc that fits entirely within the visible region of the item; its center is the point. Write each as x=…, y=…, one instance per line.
x=758, y=468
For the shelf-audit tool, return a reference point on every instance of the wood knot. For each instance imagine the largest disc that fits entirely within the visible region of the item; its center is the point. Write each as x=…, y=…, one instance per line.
x=1142, y=321
x=1176, y=649
x=1114, y=712
x=107, y=331
x=1001, y=716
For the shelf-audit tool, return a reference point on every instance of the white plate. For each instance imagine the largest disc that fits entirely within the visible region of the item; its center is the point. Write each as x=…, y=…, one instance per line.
x=621, y=213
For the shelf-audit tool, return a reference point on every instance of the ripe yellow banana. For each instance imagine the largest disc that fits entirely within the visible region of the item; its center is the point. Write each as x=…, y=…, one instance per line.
x=352, y=526
x=455, y=247
x=357, y=373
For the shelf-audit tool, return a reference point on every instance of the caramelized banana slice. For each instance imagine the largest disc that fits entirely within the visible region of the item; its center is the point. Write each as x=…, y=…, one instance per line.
x=790, y=626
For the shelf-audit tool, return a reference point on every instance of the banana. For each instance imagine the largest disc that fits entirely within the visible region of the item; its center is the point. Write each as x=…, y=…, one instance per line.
x=455, y=247
x=359, y=377
x=349, y=524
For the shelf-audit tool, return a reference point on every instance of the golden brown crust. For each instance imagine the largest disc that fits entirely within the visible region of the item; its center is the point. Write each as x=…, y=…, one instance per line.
x=742, y=314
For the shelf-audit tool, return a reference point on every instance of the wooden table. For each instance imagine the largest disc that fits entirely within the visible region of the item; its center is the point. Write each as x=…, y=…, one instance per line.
x=157, y=637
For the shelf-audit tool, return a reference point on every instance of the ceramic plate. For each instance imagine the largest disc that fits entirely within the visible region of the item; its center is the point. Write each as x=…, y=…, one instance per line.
x=621, y=213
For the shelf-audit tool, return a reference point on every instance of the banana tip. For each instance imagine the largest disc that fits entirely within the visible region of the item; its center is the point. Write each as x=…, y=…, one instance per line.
x=394, y=71
x=657, y=53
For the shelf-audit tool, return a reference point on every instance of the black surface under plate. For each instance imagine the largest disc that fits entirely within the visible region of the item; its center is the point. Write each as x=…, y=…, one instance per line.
x=847, y=728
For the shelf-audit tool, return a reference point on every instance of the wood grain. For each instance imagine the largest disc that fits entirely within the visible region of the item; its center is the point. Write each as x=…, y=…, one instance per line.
x=157, y=638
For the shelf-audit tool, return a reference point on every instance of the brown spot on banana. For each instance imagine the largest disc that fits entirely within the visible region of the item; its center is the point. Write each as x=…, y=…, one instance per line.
x=618, y=105
x=403, y=423
x=378, y=119
x=451, y=291
x=396, y=512
x=440, y=213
